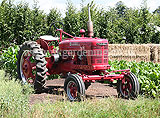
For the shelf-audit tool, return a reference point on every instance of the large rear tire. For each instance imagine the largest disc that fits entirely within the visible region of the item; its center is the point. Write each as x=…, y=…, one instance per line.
x=128, y=87
x=31, y=65
x=74, y=87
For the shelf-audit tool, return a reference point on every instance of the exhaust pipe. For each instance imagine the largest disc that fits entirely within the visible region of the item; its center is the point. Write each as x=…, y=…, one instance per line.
x=90, y=24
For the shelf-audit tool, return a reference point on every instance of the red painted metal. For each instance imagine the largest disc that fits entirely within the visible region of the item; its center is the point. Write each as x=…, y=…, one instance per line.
x=85, y=56
x=73, y=89
x=126, y=71
x=43, y=43
x=126, y=86
x=28, y=67
x=81, y=55
x=61, y=31
x=102, y=77
x=82, y=32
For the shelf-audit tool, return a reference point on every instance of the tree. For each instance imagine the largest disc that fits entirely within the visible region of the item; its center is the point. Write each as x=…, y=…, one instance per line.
x=121, y=8
x=157, y=10
x=72, y=20
x=54, y=16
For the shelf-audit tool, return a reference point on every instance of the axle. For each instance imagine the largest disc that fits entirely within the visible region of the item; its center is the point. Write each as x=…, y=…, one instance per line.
x=103, y=77
x=107, y=76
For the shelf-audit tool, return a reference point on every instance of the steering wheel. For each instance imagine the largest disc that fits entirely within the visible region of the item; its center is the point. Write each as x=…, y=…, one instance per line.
x=54, y=23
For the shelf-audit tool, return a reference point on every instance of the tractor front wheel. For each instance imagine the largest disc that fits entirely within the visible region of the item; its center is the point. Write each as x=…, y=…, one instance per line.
x=128, y=87
x=74, y=87
x=31, y=65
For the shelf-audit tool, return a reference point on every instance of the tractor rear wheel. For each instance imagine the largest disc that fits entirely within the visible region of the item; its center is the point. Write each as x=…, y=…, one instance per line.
x=128, y=87
x=74, y=87
x=31, y=65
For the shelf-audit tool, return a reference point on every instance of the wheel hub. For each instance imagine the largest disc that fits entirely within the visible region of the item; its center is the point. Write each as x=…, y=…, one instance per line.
x=26, y=68
x=73, y=89
x=126, y=86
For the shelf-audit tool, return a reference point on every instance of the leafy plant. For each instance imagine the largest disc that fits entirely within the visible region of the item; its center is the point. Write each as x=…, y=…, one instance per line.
x=8, y=60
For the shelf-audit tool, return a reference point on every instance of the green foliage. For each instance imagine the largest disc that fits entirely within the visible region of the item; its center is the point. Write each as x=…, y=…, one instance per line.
x=8, y=60
x=119, y=24
x=148, y=74
x=19, y=23
x=52, y=17
x=157, y=10
x=71, y=21
x=13, y=98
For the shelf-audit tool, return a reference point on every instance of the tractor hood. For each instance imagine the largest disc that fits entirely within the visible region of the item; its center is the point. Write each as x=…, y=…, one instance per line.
x=81, y=42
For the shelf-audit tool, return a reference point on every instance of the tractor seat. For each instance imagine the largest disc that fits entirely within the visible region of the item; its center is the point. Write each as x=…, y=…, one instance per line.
x=49, y=38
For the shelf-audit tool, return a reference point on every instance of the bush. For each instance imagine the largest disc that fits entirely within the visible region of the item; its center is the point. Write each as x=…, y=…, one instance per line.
x=8, y=60
x=119, y=24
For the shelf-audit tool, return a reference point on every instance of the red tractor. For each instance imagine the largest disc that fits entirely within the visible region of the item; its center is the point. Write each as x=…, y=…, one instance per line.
x=82, y=60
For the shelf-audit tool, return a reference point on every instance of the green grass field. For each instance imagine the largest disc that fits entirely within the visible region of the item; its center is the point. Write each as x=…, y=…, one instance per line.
x=100, y=108
x=14, y=103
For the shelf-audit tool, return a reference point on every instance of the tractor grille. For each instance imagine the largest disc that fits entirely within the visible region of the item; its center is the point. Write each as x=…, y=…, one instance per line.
x=100, y=55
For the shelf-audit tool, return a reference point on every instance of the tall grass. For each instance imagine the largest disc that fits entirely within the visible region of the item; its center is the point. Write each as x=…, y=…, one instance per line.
x=14, y=103
x=99, y=108
x=13, y=98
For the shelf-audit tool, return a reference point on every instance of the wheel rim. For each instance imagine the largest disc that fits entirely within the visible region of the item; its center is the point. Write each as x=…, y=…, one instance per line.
x=72, y=90
x=126, y=87
x=27, y=67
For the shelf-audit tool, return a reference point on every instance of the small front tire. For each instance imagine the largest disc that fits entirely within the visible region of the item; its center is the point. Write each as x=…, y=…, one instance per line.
x=74, y=87
x=128, y=87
